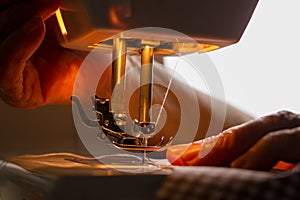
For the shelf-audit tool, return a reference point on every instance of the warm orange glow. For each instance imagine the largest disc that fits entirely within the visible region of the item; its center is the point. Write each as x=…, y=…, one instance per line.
x=61, y=23
x=114, y=19
x=208, y=47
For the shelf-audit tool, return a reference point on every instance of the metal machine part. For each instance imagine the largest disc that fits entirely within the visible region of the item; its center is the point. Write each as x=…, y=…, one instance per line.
x=89, y=24
x=127, y=140
x=85, y=23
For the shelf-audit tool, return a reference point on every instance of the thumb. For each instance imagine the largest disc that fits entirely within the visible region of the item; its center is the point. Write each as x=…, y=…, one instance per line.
x=15, y=53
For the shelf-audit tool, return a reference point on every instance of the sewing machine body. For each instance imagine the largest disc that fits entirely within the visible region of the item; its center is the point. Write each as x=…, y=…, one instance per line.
x=85, y=23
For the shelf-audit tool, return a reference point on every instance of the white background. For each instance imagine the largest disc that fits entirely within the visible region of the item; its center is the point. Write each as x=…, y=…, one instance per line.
x=261, y=73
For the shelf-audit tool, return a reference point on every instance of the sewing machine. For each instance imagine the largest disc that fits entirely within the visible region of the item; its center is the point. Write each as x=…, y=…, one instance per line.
x=89, y=24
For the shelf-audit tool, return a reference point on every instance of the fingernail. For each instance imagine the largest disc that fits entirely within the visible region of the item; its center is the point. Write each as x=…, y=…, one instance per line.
x=175, y=152
x=31, y=25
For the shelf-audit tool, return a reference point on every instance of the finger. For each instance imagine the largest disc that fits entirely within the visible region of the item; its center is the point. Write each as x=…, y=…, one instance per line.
x=282, y=145
x=184, y=154
x=32, y=94
x=181, y=154
x=14, y=56
x=18, y=13
x=222, y=150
